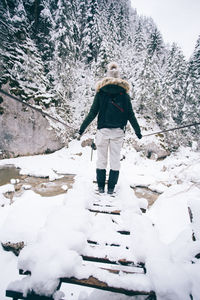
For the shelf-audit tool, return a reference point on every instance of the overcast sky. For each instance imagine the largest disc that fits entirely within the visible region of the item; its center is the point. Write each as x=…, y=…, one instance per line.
x=177, y=20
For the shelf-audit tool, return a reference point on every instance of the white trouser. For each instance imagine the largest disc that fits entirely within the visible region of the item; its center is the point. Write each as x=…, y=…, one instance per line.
x=109, y=139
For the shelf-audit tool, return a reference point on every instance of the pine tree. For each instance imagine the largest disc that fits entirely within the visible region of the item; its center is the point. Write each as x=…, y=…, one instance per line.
x=140, y=40
x=64, y=32
x=155, y=44
x=54, y=51
x=7, y=41
x=194, y=62
x=192, y=97
x=21, y=58
x=148, y=89
x=91, y=39
x=174, y=84
x=123, y=21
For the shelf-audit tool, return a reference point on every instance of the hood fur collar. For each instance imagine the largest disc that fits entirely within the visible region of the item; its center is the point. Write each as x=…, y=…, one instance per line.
x=115, y=81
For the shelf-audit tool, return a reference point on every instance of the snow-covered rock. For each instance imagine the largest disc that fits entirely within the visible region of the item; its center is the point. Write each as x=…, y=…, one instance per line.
x=24, y=131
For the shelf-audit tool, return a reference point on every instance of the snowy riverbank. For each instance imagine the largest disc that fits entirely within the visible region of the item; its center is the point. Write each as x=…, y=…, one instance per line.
x=58, y=227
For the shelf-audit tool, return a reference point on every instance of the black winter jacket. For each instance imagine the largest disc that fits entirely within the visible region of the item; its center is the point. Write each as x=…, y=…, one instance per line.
x=111, y=86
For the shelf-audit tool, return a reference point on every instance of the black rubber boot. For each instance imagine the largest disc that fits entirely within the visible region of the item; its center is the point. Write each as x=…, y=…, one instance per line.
x=112, y=181
x=101, y=178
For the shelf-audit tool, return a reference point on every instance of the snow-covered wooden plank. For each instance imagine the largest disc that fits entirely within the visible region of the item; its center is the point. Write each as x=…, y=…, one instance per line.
x=112, y=244
x=93, y=282
x=119, y=254
x=15, y=295
x=194, y=209
x=119, y=262
x=104, y=211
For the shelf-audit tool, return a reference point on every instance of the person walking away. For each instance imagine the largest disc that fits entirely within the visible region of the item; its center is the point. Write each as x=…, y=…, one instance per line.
x=113, y=107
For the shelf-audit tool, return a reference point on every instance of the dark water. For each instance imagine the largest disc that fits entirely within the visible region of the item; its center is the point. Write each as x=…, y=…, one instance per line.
x=145, y=192
x=7, y=173
x=44, y=187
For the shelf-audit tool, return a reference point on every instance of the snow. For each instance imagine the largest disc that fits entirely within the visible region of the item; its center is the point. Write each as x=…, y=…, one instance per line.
x=3, y=189
x=55, y=229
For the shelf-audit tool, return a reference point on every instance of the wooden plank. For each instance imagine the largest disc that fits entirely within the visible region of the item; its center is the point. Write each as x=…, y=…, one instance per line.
x=110, y=243
x=197, y=256
x=122, y=262
x=117, y=271
x=113, y=267
x=102, y=205
x=106, y=244
x=93, y=282
x=125, y=232
x=22, y=272
x=190, y=214
x=107, y=261
x=191, y=220
x=114, y=212
x=18, y=295
x=111, y=264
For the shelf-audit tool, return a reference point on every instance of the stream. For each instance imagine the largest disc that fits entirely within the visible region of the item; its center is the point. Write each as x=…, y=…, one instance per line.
x=40, y=185
x=7, y=173
x=47, y=188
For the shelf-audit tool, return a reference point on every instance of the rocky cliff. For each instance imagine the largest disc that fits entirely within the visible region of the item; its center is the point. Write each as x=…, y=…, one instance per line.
x=24, y=131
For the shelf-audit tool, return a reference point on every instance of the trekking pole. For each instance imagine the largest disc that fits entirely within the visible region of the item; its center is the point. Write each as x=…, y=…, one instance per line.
x=91, y=154
x=171, y=129
x=93, y=147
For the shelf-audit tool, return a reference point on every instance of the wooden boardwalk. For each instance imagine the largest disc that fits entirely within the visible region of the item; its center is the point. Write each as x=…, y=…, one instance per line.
x=97, y=254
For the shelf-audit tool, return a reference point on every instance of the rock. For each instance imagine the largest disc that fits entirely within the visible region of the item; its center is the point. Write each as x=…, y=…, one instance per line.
x=151, y=150
x=26, y=131
x=79, y=154
x=87, y=142
x=13, y=247
x=155, y=151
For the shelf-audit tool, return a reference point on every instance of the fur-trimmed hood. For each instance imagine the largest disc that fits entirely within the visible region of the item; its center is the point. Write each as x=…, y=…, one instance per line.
x=113, y=81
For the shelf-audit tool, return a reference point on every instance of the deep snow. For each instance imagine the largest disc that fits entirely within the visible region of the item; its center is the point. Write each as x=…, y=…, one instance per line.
x=55, y=229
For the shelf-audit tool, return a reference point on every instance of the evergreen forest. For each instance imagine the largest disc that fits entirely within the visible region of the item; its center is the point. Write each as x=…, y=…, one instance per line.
x=52, y=53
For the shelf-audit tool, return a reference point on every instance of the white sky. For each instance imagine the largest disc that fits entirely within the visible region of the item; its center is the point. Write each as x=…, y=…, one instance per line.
x=177, y=20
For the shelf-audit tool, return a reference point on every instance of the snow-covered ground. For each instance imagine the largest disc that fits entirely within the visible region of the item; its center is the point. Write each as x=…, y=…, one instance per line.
x=55, y=229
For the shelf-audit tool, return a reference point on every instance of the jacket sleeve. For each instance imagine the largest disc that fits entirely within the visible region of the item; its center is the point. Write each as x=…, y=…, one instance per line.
x=132, y=119
x=91, y=115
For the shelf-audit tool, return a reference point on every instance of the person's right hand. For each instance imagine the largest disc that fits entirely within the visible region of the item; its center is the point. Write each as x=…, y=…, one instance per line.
x=77, y=135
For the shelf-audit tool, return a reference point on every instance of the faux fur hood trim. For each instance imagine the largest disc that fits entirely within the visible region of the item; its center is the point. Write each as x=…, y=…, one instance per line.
x=115, y=81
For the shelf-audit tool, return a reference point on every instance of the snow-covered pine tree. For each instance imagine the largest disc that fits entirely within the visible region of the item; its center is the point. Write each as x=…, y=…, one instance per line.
x=148, y=89
x=140, y=39
x=64, y=37
x=60, y=48
x=25, y=71
x=174, y=84
x=173, y=95
x=8, y=39
x=90, y=36
x=194, y=61
x=155, y=44
x=123, y=21
x=192, y=96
